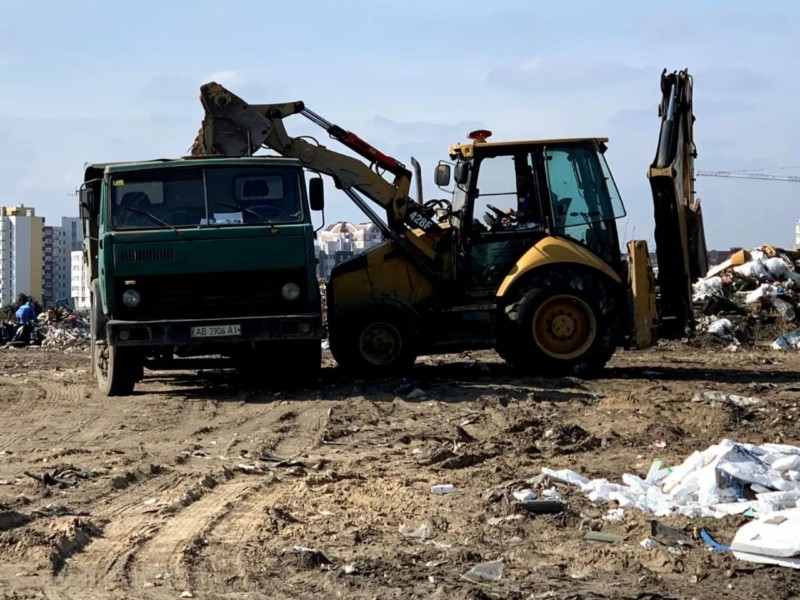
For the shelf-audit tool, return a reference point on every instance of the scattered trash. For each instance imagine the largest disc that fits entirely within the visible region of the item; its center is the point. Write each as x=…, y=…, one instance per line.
x=615, y=514
x=599, y=536
x=660, y=444
x=659, y=530
x=64, y=477
x=313, y=556
x=712, y=543
x=349, y=569
x=647, y=544
x=730, y=399
x=787, y=341
x=489, y=571
x=443, y=489
x=725, y=479
x=770, y=538
x=722, y=328
x=422, y=532
x=525, y=495
x=542, y=506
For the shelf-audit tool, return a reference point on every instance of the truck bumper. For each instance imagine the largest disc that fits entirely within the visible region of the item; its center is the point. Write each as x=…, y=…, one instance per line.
x=187, y=332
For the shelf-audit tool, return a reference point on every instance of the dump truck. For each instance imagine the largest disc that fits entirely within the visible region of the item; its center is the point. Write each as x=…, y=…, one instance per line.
x=545, y=282
x=201, y=262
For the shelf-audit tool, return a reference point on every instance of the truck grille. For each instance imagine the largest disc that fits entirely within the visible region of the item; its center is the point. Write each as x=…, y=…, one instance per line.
x=139, y=256
x=211, y=295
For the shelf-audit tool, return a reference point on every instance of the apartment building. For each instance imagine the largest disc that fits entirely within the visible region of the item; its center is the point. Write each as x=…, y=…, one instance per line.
x=20, y=253
x=79, y=281
x=58, y=243
x=341, y=241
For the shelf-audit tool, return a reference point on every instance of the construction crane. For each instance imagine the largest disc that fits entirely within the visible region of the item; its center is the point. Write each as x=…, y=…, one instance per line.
x=747, y=175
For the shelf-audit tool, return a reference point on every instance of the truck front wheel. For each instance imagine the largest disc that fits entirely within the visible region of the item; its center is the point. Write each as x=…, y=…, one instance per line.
x=563, y=323
x=117, y=369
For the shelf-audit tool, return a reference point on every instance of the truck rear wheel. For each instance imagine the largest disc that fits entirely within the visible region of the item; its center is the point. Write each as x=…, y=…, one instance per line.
x=563, y=323
x=376, y=342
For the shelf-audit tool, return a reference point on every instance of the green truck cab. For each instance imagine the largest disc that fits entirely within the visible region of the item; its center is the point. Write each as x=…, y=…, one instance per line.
x=197, y=261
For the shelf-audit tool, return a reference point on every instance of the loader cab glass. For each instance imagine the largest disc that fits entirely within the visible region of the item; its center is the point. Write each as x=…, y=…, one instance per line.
x=584, y=199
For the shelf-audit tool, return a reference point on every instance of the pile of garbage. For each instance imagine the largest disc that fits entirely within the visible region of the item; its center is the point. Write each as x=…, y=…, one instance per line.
x=64, y=328
x=729, y=478
x=756, y=290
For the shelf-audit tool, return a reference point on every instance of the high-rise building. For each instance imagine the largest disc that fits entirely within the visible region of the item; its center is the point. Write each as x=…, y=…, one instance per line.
x=20, y=253
x=80, y=281
x=58, y=244
x=341, y=241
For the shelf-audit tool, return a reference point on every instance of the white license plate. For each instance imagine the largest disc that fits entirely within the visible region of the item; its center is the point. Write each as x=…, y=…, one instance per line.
x=203, y=331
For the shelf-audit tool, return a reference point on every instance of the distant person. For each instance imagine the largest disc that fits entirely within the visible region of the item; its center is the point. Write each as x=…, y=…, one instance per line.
x=26, y=319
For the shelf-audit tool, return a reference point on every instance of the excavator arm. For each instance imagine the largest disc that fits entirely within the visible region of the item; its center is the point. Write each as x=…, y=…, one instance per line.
x=232, y=127
x=681, y=251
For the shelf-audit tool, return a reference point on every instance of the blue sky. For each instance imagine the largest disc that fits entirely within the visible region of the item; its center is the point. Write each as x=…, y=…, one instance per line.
x=108, y=81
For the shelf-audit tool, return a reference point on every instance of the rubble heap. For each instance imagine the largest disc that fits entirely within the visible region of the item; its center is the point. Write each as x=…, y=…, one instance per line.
x=63, y=328
x=751, y=297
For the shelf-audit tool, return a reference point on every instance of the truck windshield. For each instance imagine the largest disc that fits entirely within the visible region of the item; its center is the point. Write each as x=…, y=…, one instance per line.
x=193, y=197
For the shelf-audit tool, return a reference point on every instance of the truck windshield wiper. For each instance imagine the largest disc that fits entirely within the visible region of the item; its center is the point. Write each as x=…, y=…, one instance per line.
x=153, y=218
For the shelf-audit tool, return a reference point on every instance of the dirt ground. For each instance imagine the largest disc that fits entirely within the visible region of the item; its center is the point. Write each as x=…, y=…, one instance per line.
x=179, y=490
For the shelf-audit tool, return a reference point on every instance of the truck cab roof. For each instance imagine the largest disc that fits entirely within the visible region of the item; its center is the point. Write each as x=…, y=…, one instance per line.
x=96, y=170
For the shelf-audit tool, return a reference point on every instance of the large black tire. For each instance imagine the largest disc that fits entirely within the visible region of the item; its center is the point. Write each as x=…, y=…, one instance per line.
x=115, y=369
x=118, y=369
x=563, y=323
x=378, y=341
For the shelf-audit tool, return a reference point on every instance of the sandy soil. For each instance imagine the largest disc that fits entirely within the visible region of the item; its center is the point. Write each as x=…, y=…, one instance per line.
x=172, y=496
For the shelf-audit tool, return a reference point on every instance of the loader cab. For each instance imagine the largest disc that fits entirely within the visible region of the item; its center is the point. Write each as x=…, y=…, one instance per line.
x=508, y=196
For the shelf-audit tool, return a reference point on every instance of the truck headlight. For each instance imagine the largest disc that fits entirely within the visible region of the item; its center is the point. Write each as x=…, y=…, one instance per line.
x=290, y=291
x=131, y=298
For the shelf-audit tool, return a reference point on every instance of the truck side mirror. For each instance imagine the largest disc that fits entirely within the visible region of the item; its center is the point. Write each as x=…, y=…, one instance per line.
x=442, y=175
x=86, y=203
x=316, y=193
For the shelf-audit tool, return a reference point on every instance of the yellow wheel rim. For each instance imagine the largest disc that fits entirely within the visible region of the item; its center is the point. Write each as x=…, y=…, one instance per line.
x=564, y=327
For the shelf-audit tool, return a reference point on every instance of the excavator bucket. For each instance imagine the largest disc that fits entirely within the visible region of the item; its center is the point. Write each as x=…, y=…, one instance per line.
x=230, y=126
x=681, y=253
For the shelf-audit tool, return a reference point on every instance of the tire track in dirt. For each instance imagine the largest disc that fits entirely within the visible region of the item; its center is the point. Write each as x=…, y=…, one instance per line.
x=26, y=399
x=128, y=523
x=222, y=561
x=172, y=547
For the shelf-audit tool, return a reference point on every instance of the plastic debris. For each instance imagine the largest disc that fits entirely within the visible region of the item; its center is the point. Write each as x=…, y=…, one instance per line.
x=599, y=536
x=525, y=495
x=443, y=489
x=719, y=481
x=712, y=543
x=488, y=571
x=787, y=341
x=647, y=544
x=422, y=532
x=542, y=506
x=722, y=328
x=733, y=399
